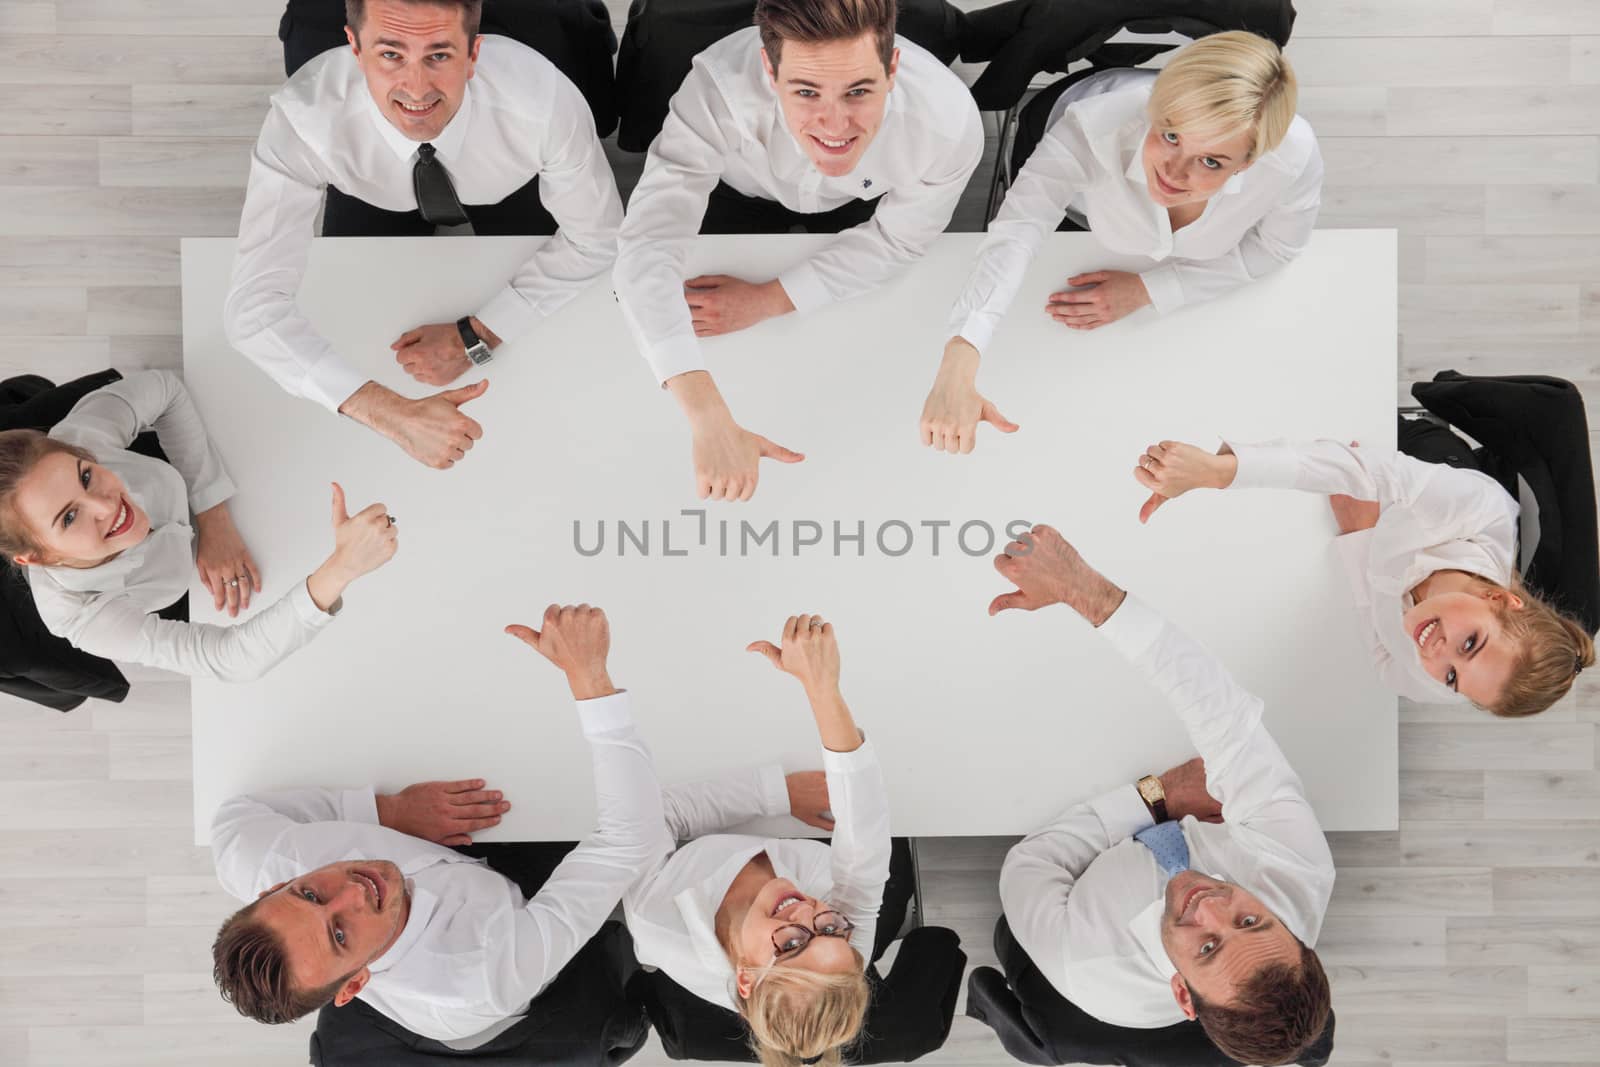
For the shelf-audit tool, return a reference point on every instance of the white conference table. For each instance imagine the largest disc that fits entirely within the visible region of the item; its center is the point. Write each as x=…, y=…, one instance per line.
x=985, y=725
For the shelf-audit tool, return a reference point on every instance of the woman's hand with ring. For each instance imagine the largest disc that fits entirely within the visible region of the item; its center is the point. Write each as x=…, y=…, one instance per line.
x=1172, y=468
x=226, y=567
x=809, y=653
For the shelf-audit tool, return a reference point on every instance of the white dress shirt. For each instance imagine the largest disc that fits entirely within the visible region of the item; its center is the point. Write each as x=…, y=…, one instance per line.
x=672, y=910
x=474, y=951
x=725, y=123
x=1084, y=899
x=108, y=610
x=520, y=118
x=1432, y=517
x=1091, y=158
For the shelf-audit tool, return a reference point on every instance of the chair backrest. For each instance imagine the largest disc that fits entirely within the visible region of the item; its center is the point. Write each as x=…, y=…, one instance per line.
x=1023, y=38
x=582, y=1019
x=910, y=1014
x=575, y=35
x=662, y=38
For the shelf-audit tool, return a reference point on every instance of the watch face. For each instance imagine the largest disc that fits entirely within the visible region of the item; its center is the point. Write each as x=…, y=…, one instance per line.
x=479, y=353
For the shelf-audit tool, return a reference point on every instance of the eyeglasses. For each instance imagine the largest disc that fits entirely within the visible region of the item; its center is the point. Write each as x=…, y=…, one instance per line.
x=789, y=941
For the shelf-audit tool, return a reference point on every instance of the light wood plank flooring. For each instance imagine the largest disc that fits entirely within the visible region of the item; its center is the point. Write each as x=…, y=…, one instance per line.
x=1470, y=936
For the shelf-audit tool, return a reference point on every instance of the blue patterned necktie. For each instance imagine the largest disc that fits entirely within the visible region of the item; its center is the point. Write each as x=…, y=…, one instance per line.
x=1165, y=840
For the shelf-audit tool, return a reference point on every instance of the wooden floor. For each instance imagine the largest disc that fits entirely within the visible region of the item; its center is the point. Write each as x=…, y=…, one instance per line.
x=1470, y=936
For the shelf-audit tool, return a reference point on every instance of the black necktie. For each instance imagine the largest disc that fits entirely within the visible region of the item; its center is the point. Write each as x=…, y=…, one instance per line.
x=436, y=197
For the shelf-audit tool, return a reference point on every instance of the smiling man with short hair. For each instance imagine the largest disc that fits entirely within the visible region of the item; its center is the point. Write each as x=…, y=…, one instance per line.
x=356, y=894
x=1109, y=902
x=820, y=117
x=420, y=123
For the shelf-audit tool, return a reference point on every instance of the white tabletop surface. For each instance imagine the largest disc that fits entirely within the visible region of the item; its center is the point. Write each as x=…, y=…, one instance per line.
x=985, y=725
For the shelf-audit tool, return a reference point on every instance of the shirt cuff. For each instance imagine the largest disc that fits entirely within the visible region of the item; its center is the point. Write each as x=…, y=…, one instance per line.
x=359, y=805
x=220, y=489
x=978, y=330
x=1166, y=292
x=332, y=382
x=1132, y=628
x=680, y=355
x=804, y=287
x=774, y=789
x=856, y=759
x=605, y=715
x=307, y=609
x=508, y=315
x=1264, y=466
x=1122, y=812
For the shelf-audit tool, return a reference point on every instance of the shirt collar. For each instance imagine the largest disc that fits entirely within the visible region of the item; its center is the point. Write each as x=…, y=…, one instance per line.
x=423, y=905
x=699, y=903
x=449, y=142
x=1146, y=930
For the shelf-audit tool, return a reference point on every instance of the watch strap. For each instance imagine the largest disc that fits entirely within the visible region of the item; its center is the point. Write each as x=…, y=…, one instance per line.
x=469, y=336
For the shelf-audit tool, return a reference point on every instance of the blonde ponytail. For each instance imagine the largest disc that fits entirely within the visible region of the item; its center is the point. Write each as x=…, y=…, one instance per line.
x=1552, y=650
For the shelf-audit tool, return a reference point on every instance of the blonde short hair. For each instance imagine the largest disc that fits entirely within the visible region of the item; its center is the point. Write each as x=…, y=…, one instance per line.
x=1224, y=85
x=797, y=1016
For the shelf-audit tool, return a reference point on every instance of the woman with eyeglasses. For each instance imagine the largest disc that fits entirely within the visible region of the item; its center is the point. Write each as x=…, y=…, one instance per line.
x=779, y=930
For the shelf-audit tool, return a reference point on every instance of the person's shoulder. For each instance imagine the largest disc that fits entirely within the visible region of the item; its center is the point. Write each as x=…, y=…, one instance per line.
x=1106, y=112
x=318, y=95
x=508, y=65
x=1294, y=153
x=929, y=83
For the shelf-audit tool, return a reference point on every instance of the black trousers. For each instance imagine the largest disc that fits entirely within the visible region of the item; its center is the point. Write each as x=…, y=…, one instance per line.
x=730, y=211
x=311, y=27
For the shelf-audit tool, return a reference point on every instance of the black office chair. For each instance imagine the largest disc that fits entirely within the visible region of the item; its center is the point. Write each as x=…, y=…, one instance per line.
x=912, y=1007
x=1036, y=1024
x=662, y=37
x=1533, y=427
x=582, y=1019
x=575, y=35
x=1021, y=39
x=35, y=664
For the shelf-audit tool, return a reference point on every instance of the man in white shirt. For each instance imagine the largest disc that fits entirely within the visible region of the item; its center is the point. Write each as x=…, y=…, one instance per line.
x=357, y=895
x=817, y=116
x=423, y=116
x=1108, y=902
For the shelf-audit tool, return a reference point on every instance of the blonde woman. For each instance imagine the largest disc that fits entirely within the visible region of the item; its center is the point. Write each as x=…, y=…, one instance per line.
x=1204, y=168
x=108, y=538
x=1430, y=551
x=778, y=930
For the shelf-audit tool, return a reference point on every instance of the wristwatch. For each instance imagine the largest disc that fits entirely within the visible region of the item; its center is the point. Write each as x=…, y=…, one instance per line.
x=477, y=349
x=1154, y=797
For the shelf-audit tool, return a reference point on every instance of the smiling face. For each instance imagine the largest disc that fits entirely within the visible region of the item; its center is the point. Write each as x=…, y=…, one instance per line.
x=1462, y=643
x=417, y=61
x=1189, y=168
x=335, y=920
x=77, y=511
x=833, y=96
x=777, y=906
x=1217, y=935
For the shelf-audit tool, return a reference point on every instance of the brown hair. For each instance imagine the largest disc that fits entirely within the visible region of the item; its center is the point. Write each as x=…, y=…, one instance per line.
x=798, y=1016
x=1553, y=648
x=823, y=21
x=355, y=12
x=20, y=452
x=251, y=969
x=1278, y=1012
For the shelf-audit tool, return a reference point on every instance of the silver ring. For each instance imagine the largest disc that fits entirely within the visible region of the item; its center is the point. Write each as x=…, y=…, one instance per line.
x=233, y=581
x=815, y=625
x=392, y=519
